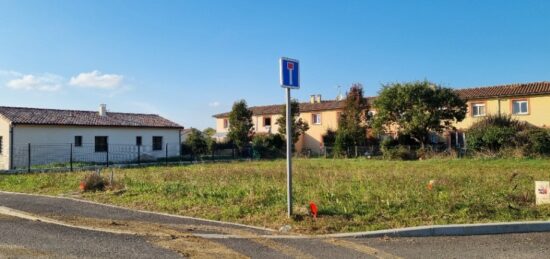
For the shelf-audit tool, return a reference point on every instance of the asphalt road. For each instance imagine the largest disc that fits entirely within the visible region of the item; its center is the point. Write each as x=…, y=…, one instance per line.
x=23, y=239
x=27, y=238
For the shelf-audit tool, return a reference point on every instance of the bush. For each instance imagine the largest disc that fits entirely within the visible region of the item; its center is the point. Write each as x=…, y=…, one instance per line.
x=494, y=133
x=267, y=145
x=329, y=138
x=398, y=152
x=94, y=182
x=537, y=141
x=392, y=150
x=196, y=142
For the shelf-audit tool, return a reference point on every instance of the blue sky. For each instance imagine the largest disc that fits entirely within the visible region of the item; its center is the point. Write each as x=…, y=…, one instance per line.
x=188, y=60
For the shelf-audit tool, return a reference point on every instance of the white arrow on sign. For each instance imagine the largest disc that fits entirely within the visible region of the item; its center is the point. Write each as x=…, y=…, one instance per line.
x=290, y=67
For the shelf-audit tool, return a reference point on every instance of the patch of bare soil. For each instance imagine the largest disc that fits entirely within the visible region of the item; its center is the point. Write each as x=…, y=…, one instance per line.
x=12, y=251
x=173, y=237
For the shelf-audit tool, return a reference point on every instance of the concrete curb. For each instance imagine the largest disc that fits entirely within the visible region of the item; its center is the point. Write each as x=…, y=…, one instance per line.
x=455, y=230
x=422, y=231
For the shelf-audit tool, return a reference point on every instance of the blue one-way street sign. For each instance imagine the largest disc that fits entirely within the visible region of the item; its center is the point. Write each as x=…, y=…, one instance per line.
x=290, y=73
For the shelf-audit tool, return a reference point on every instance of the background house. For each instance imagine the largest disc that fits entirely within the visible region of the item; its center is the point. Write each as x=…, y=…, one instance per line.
x=319, y=114
x=529, y=102
x=55, y=136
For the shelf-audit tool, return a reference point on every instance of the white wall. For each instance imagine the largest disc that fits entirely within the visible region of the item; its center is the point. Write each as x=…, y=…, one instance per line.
x=5, y=133
x=51, y=144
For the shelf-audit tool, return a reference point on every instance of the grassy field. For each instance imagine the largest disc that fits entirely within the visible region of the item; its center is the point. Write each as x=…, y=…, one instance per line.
x=352, y=195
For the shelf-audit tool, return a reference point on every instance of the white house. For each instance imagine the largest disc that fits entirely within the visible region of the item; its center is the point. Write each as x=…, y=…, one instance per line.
x=31, y=136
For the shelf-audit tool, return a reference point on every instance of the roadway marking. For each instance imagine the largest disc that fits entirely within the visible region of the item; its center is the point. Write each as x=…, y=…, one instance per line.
x=361, y=248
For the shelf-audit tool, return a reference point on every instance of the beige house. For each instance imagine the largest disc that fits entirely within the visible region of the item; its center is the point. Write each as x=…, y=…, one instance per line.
x=88, y=136
x=528, y=102
x=320, y=115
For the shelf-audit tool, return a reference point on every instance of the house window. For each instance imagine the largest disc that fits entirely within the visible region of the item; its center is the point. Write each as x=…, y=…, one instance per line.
x=101, y=144
x=225, y=123
x=157, y=143
x=267, y=121
x=520, y=107
x=478, y=109
x=77, y=141
x=138, y=141
x=316, y=118
x=1, y=144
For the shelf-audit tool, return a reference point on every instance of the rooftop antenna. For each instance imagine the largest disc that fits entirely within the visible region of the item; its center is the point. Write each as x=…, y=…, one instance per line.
x=339, y=97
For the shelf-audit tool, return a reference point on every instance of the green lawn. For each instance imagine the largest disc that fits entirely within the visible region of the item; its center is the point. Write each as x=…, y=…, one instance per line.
x=352, y=195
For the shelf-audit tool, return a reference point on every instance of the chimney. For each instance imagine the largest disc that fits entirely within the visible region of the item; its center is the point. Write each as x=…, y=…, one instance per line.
x=102, y=110
x=318, y=98
x=312, y=98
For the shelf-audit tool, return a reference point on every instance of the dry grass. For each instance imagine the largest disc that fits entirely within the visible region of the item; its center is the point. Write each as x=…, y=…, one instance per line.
x=352, y=195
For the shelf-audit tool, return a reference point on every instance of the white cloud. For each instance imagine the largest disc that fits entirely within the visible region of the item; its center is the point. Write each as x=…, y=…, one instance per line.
x=214, y=104
x=96, y=79
x=43, y=82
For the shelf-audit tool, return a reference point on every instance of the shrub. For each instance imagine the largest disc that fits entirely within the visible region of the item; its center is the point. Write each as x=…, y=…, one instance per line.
x=392, y=150
x=329, y=138
x=398, y=152
x=495, y=132
x=537, y=141
x=94, y=182
x=196, y=142
x=268, y=145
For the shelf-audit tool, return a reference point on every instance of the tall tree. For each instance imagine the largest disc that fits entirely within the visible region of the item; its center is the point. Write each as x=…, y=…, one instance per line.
x=240, y=124
x=352, y=124
x=298, y=125
x=417, y=108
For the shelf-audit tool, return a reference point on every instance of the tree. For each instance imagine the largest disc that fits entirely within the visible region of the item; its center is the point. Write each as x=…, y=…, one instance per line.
x=196, y=142
x=298, y=126
x=416, y=109
x=240, y=124
x=209, y=137
x=352, y=124
x=210, y=132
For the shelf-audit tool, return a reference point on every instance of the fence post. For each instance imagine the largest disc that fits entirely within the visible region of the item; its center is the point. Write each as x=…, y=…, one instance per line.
x=139, y=155
x=107, y=155
x=166, y=156
x=71, y=157
x=356, y=154
x=29, y=160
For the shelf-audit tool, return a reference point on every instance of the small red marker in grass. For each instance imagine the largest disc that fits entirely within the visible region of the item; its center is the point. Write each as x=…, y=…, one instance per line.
x=313, y=209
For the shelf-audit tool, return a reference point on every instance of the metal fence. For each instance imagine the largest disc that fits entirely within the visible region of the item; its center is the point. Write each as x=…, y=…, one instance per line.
x=352, y=151
x=40, y=157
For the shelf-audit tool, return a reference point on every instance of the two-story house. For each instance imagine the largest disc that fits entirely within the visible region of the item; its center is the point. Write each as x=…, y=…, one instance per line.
x=528, y=102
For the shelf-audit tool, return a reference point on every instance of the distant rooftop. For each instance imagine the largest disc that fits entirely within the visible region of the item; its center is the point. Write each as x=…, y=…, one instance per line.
x=36, y=116
x=520, y=89
x=509, y=90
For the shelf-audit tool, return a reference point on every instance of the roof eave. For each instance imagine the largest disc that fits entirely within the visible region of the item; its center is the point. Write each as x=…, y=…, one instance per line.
x=95, y=126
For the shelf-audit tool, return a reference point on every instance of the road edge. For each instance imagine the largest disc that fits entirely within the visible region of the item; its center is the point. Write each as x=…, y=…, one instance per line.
x=420, y=231
x=142, y=211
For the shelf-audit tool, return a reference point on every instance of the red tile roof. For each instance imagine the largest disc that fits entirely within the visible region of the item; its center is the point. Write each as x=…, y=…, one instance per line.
x=35, y=116
x=524, y=89
x=304, y=107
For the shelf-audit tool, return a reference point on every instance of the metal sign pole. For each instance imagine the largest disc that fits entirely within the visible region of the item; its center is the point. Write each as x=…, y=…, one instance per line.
x=289, y=79
x=288, y=153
